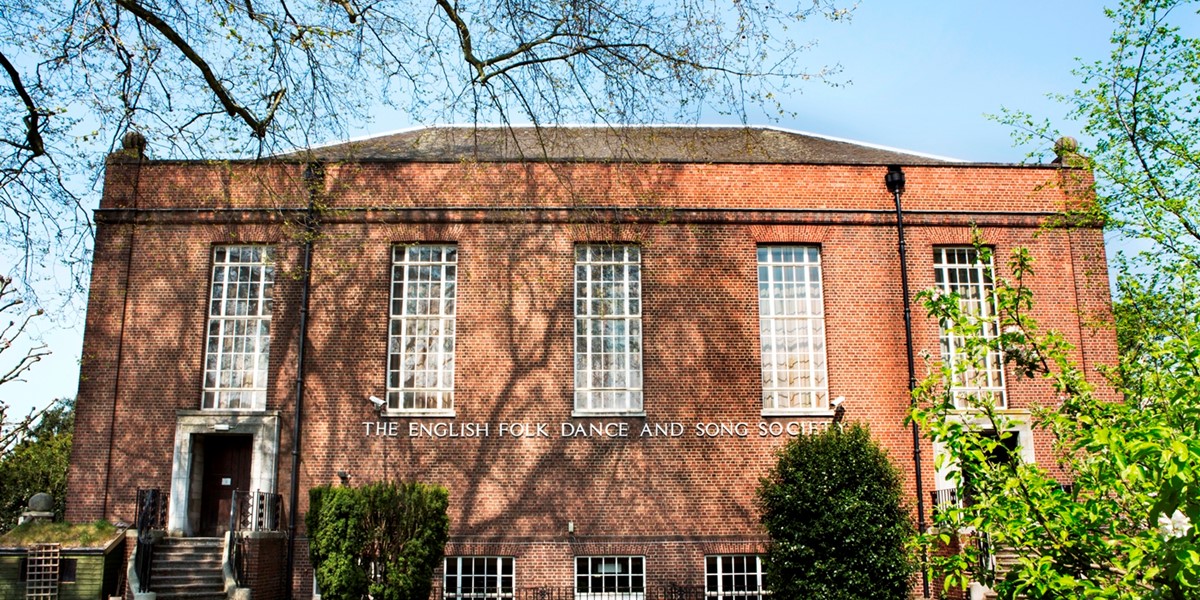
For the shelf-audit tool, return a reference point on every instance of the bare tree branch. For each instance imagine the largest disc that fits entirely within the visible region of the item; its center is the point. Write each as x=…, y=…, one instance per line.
x=255, y=77
x=11, y=334
x=33, y=135
x=258, y=126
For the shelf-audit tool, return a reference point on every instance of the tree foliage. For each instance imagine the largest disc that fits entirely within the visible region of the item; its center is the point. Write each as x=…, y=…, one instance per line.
x=832, y=506
x=1124, y=525
x=253, y=77
x=382, y=539
x=1141, y=109
x=37, y=463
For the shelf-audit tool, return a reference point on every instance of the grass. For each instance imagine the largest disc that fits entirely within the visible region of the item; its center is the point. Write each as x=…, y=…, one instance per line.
x=87, y=535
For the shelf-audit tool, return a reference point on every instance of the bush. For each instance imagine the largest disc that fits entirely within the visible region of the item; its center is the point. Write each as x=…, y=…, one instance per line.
x=839, y=530
x=383, y=540
x=38, y=463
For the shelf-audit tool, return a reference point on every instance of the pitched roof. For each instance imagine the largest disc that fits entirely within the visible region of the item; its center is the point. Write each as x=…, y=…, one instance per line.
x=663, y=143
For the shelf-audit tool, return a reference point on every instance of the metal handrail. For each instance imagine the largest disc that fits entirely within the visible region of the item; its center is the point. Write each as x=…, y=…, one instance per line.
x=151, y=517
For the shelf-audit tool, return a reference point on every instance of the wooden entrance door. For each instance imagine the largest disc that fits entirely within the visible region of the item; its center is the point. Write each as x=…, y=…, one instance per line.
x=226, y=468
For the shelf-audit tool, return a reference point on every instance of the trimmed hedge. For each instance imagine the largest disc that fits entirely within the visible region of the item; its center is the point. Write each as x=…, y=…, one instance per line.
x=839, y=528
x=382, y=540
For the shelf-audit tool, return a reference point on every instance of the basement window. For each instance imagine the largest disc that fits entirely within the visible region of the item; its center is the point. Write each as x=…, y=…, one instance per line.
x=610, y=577
x=734, y=577
x=478, y=577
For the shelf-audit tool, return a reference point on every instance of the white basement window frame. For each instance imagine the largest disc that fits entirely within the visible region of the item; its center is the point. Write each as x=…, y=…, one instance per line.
x=421, y=332
x=238, y=344
x=610, y=577
x=791, y=308
x=608, y=330
x=734, y=577
x=479, y=577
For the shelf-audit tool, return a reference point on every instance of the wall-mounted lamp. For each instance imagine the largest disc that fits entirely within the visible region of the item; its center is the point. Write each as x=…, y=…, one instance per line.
x=221, y=427
x=571, y=527
x=894, y=180
x=378, y=403
x=839, y=411
x=345, y=477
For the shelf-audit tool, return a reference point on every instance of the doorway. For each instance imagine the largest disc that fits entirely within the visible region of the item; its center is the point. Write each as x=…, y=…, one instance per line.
x=226, y=468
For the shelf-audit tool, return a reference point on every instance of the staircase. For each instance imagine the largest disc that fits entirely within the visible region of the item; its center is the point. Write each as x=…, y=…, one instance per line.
x=188, y=568
x=1004, y=559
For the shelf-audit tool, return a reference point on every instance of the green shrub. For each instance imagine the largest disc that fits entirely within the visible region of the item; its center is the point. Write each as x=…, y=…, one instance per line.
x=839, y=529
x=383, y=540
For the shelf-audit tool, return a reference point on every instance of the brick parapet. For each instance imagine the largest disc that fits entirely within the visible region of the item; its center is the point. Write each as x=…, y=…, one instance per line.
x=655, y=186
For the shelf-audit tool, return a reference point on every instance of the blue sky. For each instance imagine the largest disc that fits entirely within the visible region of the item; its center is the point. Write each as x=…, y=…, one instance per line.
x=922, y=75
x=918, y=75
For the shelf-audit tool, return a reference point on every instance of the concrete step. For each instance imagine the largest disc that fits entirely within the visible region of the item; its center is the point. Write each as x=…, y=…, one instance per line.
x=161, y=565
x=167, y=578
x=188, y=568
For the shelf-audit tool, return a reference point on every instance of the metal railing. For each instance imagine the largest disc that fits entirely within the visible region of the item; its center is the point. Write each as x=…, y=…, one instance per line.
x=151, y=517
x=250, y=511
x=668, y=592
x=945, y=498
x=951, y=497
x=152, y=509
x=256, y=511
x=237, y=558
x=987, y=556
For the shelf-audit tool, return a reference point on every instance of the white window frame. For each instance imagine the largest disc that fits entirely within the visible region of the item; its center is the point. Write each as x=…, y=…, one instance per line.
x=608, y=330
x=791, y=309
x=606, y=571
x=421, y=330
x=238, y=336
x=957, y=269
x=496, y=583
x=716, y=571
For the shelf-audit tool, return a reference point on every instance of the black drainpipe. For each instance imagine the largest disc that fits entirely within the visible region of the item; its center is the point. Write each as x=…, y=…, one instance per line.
x=895, y=184
x=133, y=143
x=314, y=179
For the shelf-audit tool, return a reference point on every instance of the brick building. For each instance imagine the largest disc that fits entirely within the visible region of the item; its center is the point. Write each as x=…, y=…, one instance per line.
x=595, y=339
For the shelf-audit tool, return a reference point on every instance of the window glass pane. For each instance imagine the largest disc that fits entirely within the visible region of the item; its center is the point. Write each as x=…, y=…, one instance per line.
x=792, y=328
x=737, y=577
x=610, y=577
x=478, y=577
x=421, y=350
x=960, y=272
x=607, y=288
x=237, y=348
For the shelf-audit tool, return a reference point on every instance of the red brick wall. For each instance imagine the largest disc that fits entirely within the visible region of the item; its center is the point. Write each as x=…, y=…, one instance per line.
x=673, y=499
x=265, y=569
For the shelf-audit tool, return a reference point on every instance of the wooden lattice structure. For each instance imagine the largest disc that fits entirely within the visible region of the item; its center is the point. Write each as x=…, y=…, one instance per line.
x=41, y=580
